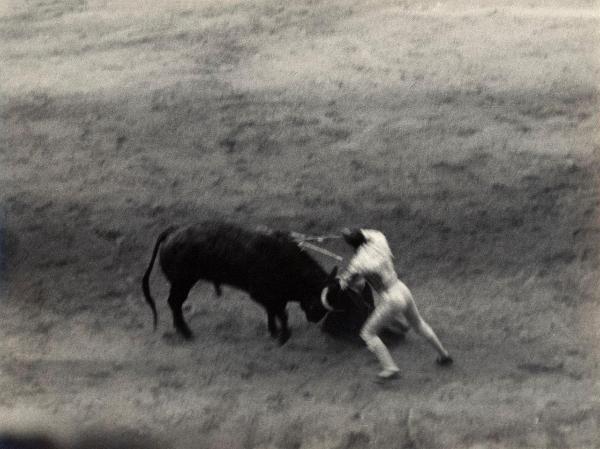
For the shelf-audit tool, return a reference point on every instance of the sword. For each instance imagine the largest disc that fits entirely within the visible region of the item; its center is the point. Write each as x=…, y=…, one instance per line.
x=315, y=238
x=304, y=244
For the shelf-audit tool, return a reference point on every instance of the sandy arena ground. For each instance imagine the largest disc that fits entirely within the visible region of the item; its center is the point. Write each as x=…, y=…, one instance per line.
x=467, y=132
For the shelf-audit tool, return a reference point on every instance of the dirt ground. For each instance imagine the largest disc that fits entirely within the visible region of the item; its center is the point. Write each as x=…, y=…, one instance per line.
x=467, y=132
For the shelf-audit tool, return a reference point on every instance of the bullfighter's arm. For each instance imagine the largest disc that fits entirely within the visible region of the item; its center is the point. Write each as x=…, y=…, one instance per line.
x=353, y=273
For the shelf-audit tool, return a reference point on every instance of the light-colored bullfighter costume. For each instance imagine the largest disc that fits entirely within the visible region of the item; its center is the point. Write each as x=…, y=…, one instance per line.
x=373, y=260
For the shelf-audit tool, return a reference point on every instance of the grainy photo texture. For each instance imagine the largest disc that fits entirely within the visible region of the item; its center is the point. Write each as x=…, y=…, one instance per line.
x=307, y=224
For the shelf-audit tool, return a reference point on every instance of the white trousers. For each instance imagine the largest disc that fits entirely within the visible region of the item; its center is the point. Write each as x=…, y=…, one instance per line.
x=396, y=307
x=388, y=314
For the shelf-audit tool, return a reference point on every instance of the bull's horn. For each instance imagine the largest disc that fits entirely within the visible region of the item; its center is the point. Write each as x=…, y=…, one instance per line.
x=324, y=299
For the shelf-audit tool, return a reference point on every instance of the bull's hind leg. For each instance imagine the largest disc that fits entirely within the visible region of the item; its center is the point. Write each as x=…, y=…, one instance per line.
x=177, y=297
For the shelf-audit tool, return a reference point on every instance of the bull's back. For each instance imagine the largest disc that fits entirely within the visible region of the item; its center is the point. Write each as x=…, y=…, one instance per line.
x=223, y=253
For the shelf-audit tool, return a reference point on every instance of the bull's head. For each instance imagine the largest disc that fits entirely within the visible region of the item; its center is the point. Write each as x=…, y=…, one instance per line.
x=336, y=299
x=357, y=299
x=313, y=308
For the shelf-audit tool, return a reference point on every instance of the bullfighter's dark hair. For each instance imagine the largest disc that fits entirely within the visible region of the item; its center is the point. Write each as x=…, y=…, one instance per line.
x=354, y=237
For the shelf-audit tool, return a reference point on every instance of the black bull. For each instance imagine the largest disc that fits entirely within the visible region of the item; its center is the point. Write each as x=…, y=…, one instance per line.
x=268, y=265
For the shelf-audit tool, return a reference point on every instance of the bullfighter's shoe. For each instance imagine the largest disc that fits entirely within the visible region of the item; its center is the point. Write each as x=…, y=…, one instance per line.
x=444, y=360
x=389, y=373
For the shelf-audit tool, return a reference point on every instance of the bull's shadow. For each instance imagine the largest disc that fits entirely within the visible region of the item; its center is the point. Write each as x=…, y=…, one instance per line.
x=336, y=326
x=344, y=324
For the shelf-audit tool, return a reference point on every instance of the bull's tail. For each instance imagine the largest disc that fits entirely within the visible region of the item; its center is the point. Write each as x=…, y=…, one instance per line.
x=146, y=279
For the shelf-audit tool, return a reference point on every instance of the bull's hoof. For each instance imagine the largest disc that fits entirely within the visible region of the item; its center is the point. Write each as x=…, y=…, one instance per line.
x=284, y=337
x=190, y=337
x=174, y=338
x=186, y=334
x=445, y=361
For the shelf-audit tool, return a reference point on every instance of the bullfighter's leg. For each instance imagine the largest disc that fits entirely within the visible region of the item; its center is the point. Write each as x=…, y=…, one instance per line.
x=421, y=327
x=177, y=297
x=381, y=317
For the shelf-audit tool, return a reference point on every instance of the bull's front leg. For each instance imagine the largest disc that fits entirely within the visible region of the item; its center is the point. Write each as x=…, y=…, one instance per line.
x=284, y=333
x=271, y=323
x=276, y=312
